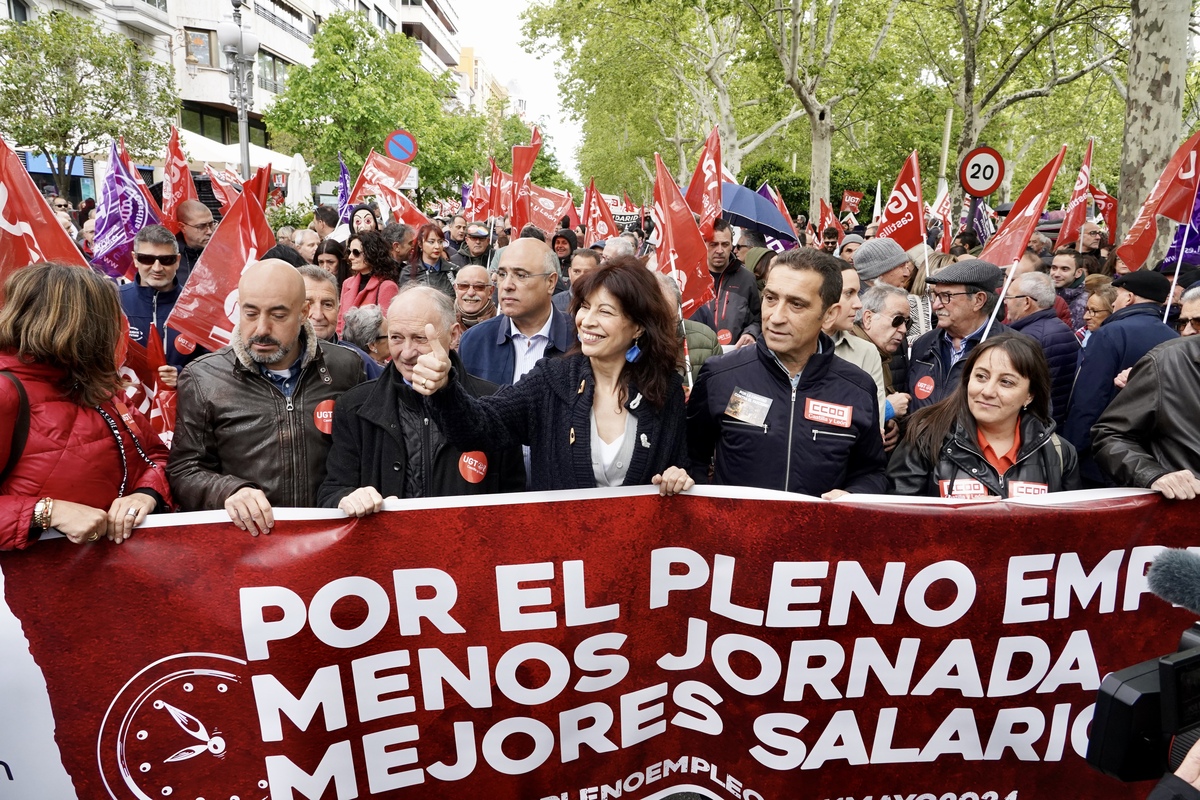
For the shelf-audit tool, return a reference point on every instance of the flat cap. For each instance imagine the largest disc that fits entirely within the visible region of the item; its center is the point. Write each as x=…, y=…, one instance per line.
x=974, y=271
x=1153, y=286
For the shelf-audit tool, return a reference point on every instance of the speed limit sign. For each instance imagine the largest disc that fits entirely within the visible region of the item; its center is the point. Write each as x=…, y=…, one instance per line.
x=981, y=172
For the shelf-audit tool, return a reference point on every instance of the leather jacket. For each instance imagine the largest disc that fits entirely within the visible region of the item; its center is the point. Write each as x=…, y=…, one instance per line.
x=234, y=428
x=1044, y=459
x=1149, y=429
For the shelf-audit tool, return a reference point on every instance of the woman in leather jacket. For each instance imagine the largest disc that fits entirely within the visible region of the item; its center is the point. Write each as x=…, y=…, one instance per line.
x=993, y=436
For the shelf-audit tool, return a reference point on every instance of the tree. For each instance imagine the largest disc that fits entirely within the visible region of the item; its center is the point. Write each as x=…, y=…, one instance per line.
x=68, y=89
x=364, y=84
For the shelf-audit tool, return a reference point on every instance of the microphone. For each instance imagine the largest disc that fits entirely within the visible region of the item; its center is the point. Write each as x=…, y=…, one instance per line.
x=1174, y=576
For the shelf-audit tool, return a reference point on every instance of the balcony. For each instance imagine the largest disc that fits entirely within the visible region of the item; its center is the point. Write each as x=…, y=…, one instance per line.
x=271, y=86
x=149, y=16
x=278, y=22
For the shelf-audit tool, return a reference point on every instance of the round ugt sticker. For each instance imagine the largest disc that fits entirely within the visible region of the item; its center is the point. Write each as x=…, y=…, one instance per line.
x=473, y=466
x=724, y=336
x=924, y=388
x=323, y=416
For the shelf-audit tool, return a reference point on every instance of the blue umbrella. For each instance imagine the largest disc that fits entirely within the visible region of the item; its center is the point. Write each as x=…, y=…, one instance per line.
x=746, y=208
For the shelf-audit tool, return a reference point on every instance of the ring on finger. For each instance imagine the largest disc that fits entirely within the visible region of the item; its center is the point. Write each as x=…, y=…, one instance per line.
x=131, y=512
x=95, y=535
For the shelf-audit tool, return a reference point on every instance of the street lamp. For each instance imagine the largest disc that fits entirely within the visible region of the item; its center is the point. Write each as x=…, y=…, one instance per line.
x=240, y=46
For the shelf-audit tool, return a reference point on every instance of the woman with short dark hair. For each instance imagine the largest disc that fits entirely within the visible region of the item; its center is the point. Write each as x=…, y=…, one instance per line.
x=993, y=436
x=609, y=413
x=73, y=456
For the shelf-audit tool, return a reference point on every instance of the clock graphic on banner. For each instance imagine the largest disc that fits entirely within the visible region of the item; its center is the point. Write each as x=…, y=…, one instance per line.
x=178, y=730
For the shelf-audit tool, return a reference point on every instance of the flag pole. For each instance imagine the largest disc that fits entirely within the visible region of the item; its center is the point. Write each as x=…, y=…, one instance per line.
x=1012, y=270
x=1179, y=261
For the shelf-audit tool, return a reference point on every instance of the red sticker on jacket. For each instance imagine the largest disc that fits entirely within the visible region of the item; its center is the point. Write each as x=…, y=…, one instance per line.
x=924, y=388
x=963, y=489
x=323, y=416
x=473, y=466
x=184, y=345
x=1026, y=488
x=829, y=413
x=724, y=336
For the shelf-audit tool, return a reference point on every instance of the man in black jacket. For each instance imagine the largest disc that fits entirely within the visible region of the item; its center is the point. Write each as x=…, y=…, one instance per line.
x=737, y=307
x=384, y=442
x=786, y=413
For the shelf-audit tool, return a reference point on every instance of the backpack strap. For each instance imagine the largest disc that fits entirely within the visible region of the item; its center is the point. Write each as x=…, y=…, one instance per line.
x=21, y=432
x=1058, y=450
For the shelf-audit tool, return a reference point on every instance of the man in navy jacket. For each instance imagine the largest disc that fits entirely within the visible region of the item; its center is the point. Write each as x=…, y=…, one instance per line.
x=528, y=328
x=1030, y=304
x=148, y=300
x=786, y=413
x=1134, y=329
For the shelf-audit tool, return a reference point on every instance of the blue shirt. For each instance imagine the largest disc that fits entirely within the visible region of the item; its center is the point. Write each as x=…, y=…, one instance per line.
x=285, y=382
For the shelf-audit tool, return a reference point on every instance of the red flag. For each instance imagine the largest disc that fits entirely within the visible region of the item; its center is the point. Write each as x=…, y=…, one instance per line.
x=1072, y=223
x=629, y=206
x=496, y=191
x=827, y=220
x=1106, y=204
x=850, y=201
x=206, y=310
x=535, y=137
x=477, y=201
x=682, y=253
x=144, y=389
x=523, y=157
x=137, y=177
x=29, y=232
x=259, y=185
x=704, y=192
x=177, y=184
x=903, y=219
x=222, y=188
x=1172, y=197
x=378, y=172
x=572, y=212
x=1007, y=245
x=941, y=210
x=777, y=198
x=547, y=207
x=596, y=217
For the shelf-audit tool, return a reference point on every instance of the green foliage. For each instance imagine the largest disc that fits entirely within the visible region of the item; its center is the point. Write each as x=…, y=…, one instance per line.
x=298, y=216
x=364, y=84
x=68, y=89
x=795, y=188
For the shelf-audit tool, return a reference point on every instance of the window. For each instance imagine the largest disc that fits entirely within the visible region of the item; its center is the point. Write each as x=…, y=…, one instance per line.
x=200, y=45
x=384, y=22
x=363, y=8
x=258, y=135
x=18, y=11
x=210, y=126
x=410, y=2
x=272, y=71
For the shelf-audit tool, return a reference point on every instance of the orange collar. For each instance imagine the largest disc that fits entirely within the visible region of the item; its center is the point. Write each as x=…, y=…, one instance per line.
x=1001, y=463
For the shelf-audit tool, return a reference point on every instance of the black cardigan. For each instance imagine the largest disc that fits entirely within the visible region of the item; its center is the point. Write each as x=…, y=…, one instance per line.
x=549, y=411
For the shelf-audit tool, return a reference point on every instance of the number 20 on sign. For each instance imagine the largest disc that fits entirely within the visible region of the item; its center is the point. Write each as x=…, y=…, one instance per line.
x=981, y=172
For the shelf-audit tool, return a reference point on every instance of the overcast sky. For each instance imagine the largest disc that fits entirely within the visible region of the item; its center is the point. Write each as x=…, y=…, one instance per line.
x=493, y=28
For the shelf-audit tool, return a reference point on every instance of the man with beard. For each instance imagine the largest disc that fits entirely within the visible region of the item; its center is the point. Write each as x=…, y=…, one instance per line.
x=253, y=424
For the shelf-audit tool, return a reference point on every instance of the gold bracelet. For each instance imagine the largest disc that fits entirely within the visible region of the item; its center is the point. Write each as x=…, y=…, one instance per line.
x=42, y=512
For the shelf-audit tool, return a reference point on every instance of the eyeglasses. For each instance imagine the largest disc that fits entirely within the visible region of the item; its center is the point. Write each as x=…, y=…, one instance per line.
x=146, y=259
x=1016, y=297
x=204, y=226
x=1182, y=323
x=1095, y=311
x=62, y=206
x=354, y=252
x=944, y=297
x=479, y=287
x=519, y=275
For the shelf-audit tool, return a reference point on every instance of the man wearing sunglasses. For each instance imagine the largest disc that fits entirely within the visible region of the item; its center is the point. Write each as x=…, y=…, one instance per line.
x=963, y=296
x=196, y=226
x=884, y=323
x=148, y=300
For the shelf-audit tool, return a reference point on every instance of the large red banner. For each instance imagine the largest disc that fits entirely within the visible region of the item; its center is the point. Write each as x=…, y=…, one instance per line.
x=599, y=644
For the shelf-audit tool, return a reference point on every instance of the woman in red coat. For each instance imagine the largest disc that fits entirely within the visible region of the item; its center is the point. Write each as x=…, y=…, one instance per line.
x=90, y=466
x=374, y=275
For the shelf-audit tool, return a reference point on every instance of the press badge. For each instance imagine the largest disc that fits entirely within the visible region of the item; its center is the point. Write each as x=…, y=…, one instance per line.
x=748, y=407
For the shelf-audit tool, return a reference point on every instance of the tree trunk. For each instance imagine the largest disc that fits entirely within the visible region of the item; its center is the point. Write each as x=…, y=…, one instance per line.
x=1154, y=106
x=822, y=155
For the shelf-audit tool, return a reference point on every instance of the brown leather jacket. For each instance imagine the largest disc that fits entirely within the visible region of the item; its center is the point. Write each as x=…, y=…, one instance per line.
x=234, y=428
x=1149, y=429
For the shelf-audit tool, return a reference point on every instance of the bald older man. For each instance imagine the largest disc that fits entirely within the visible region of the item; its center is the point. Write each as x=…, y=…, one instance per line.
x=253, y=423
x=529, y=328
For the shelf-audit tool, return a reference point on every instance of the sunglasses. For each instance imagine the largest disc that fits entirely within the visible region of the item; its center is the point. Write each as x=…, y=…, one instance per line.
x=61, y=206
x=899, y=320
x=355, y=252
x=1183, y=322
x=479, y=287
x=145, y=259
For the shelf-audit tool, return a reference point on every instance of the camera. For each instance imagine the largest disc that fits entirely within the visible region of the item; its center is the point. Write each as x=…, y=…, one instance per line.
x=1148, y=716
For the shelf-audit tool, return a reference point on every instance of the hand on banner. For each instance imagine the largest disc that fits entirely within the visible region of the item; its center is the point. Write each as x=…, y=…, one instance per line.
x=673, y=480
x=834, y=494
x=746, y=339
x=168, y=375
x=362, y=501
x=432, y=370
x=1181, y=485
x=128, y=512
x=78, y=522
x=250, y=510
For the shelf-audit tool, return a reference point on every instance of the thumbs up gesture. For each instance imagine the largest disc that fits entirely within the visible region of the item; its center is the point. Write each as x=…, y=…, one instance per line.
x=432, y=369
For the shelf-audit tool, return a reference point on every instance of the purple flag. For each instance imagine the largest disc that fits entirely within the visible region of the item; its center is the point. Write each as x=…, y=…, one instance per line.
x=981, y=223
x=343, y=192
x=773, y=244
x=120, y=214
x=1191, y=253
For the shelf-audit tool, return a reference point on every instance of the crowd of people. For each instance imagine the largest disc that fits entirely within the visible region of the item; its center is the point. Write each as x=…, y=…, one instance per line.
x=372, y=361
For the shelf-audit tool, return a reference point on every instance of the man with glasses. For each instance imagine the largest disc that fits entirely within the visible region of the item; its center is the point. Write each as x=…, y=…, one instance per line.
x=148, y=300
x=1030, y=306
x=476, y=248
x=883, y=321
x=196, y=226
x=963, y=296
x=1146, y=437
x=504, y=348
x=473, y=296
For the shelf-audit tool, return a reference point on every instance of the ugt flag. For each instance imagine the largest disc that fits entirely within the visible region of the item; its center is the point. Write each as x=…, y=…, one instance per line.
x=122, y=211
